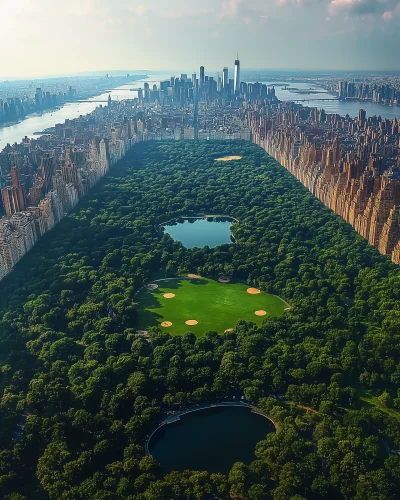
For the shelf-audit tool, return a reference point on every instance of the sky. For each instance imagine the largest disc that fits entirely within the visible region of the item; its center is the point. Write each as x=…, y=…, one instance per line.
x=54, y=37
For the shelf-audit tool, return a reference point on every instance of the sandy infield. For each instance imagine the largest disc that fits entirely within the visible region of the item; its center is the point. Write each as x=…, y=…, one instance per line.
x=194, y=276
x=169, y=295
x=152, y=286
x=253, y=291
x=191, y=322
x=228, y=158
x=166, y=324
x=260, y=313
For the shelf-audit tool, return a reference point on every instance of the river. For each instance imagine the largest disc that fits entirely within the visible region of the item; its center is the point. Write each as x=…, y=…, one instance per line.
x=337, y=107
x=38, y=123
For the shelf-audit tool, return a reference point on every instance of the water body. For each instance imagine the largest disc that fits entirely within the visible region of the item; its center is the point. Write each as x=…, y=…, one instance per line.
x=333, y=107
x=200, y=232
x=38, y=123
x=211, y=440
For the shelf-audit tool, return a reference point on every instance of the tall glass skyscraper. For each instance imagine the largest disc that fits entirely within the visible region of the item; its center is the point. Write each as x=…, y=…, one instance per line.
x=236, y=82
x=225, y=79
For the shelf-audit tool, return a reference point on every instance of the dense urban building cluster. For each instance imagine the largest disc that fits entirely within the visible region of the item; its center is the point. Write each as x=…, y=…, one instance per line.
x=351, y=165
x=14, y=108
x=19, y=99
x=378, y=93
x=50, y=174
x=191, y=90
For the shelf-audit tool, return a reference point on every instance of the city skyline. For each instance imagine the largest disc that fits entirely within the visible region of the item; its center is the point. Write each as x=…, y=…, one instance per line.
x=268, y=34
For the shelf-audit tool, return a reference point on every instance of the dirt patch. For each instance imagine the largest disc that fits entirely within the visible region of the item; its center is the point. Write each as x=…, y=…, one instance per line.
x=194, y=276
x=260, y=313
x=228, y=330
x=191, y=322
x=228, y=158
x=152, y=286
x=166, y=324
x=253, y=291
x=169, y=295
x=224, y=279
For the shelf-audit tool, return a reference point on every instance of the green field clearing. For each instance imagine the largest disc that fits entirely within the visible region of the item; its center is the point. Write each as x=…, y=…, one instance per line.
x=215, y=306
x=374, y=401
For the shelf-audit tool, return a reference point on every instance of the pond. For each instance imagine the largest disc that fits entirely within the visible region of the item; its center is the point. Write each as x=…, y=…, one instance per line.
x=211, y=440
x=198, y=232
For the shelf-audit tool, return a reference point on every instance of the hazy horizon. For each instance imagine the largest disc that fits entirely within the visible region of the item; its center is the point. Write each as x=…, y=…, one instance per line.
x=177, y=72
x=85, y=35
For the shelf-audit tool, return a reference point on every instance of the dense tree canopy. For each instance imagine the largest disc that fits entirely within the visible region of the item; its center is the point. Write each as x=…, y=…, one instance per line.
x=80, y=389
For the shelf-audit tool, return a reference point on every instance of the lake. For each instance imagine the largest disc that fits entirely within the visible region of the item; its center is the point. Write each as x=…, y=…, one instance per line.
x=212, y=439
x=198, y=232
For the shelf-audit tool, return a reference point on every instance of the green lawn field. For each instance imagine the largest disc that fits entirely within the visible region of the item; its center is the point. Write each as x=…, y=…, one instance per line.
x=215, y=306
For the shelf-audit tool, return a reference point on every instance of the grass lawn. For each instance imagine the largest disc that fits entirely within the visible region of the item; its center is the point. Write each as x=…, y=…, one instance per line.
x=215, y=306
x=374, y=401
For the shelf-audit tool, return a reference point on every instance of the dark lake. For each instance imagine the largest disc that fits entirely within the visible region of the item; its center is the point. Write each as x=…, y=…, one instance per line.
x=200, y=232
x=212, y=439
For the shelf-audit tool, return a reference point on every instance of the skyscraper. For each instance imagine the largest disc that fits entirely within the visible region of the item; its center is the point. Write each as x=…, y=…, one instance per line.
x=14, y=197
x=225, y=79
x=236, y=84
x=201, y=76
x=47, y=170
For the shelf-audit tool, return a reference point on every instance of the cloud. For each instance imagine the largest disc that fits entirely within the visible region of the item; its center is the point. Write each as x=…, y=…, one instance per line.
x=238, y=9
x=387, y=15
x=229, y=8
x=362, y=7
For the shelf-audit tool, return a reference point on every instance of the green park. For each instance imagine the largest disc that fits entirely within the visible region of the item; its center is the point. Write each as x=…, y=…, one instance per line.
x=200, y=305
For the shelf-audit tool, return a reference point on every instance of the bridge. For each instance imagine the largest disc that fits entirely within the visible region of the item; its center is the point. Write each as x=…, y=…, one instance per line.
x=320, y=99
x=89, y=100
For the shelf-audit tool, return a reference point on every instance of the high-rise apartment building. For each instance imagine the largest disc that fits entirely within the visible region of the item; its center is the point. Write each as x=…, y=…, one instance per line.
x=14, y=196
x=201, y=76
x=47, y=170
x=225, y=79
x=236, y=84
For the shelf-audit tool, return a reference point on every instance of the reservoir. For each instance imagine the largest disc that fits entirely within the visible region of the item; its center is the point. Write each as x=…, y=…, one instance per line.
x=210, y=440
x=198, y=232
